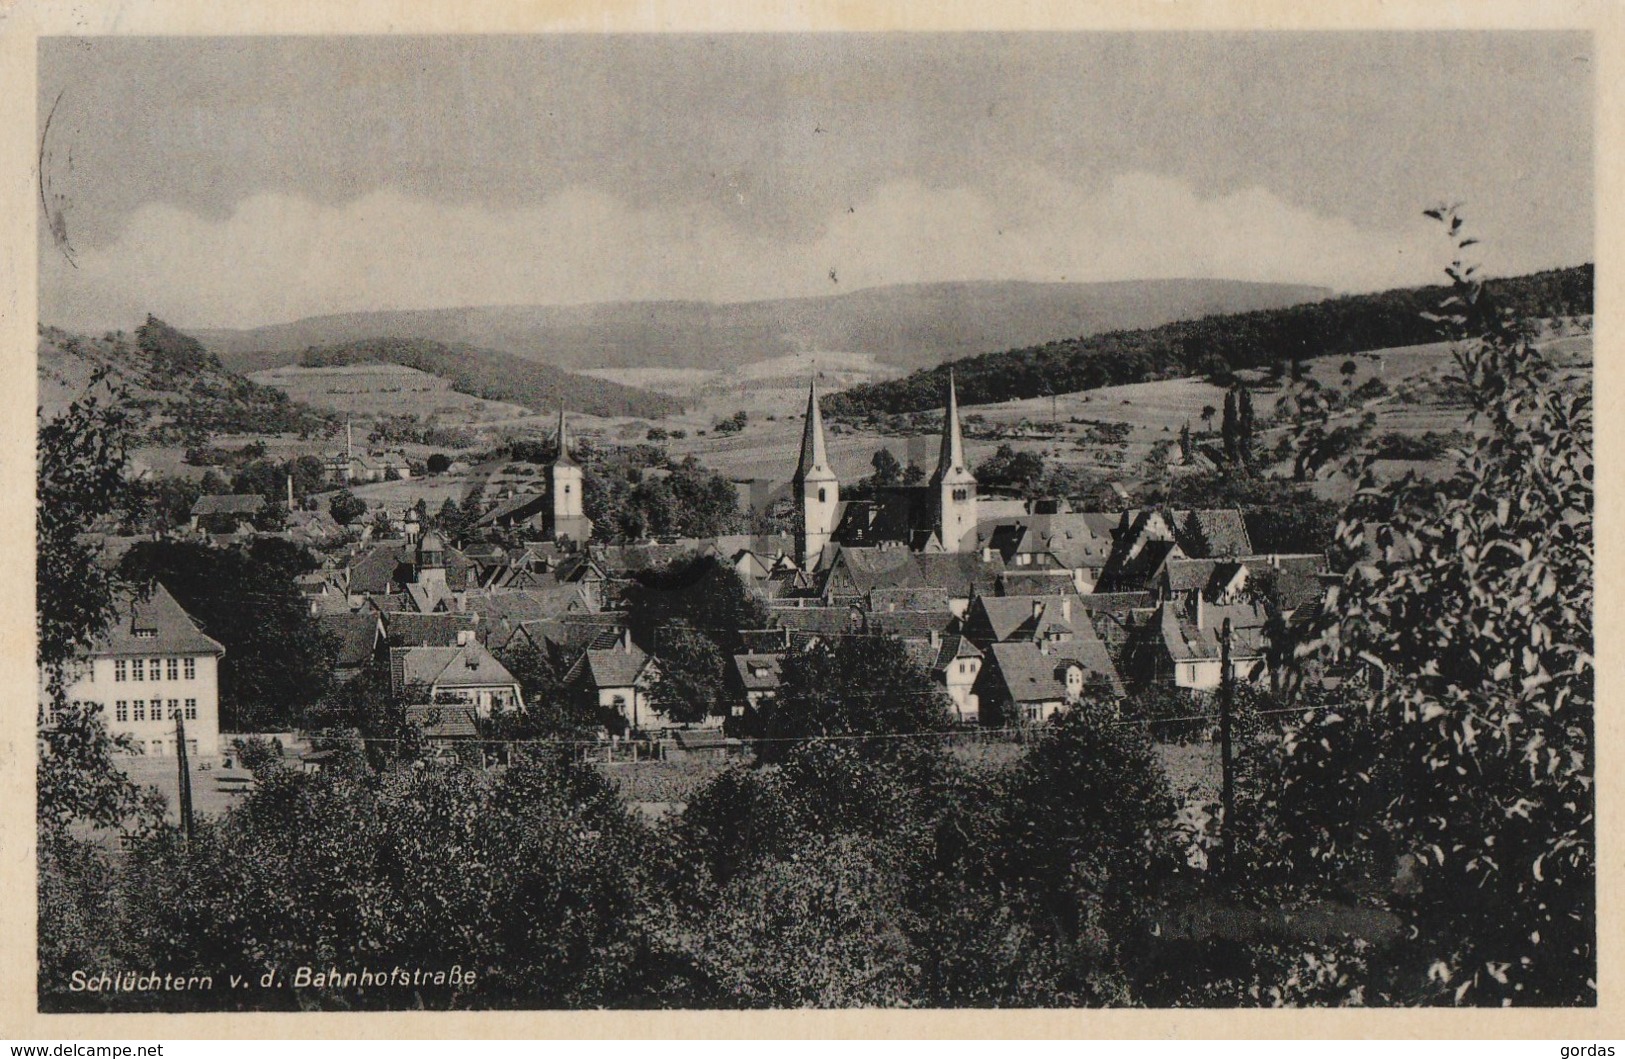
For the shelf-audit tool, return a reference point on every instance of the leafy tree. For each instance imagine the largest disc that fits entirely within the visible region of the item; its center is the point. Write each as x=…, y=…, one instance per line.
x=437, y=463
x=1469, y=772
x=1244, y=424
x=1019, y=471
x=691, y=684
x=80, y=461
x=887, y=470
x=861, y=685
x=701, y=591
x=1208, y=412
x=278, y=660
x=346, y=507
x=913, y=474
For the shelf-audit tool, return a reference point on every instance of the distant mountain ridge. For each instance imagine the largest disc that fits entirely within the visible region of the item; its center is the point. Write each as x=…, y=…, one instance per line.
x=911, y=326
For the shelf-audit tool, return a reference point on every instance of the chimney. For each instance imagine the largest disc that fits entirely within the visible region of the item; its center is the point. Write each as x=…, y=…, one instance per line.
x=1038, y=609
x=465, y=637
x=1066, y=611
x=1201, y=615
x=936, y=638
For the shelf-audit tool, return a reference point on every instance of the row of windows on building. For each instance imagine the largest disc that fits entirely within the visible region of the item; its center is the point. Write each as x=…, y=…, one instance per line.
x=161, y=747
x=154, y=669
x=125, y=711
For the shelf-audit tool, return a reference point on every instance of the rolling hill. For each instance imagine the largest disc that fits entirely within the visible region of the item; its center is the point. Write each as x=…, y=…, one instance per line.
x=495, y=376
x=173, y=387
x=909, y=326
x=1208, y=345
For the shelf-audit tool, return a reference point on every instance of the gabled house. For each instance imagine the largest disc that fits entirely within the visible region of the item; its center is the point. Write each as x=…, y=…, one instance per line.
x=618, y=679
x=1030, y=682
x=150, y=664
x=225, y=513
x=957, y=664
x=754, y=681
x=1180, y=643
x=468, y=675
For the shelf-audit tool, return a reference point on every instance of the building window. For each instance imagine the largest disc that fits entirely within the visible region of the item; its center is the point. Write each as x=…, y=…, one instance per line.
x=154, y=666
x=174, y=709
x=121, y=711
x=820, y=494
x=172, y=668
x=138, y=670
x=191, y=669
x=120, y=670
x=191, y=709
x=140, y=709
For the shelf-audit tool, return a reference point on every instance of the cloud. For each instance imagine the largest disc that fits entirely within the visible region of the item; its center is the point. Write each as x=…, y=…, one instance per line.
x=280, y=257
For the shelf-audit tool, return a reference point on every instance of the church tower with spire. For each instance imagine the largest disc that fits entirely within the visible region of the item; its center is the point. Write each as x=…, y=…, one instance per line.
x=564, y=480
x=953, y=486
x=816, y=490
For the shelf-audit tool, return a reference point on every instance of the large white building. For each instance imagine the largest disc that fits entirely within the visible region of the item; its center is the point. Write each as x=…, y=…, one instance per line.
x=151, y=663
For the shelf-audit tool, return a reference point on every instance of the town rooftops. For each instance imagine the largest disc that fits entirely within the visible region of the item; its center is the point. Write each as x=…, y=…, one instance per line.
x=356, y=633
x=228, y=504
x=154, y=625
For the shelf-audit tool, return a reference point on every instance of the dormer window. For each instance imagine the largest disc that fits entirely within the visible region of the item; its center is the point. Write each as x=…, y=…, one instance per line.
x=146, y=634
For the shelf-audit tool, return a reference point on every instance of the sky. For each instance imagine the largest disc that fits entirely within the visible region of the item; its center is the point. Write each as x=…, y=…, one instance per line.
x=237, y=182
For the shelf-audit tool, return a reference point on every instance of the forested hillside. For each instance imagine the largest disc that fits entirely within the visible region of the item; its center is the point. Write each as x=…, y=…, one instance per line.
x=176, y=388
x=497, y=376
x=1212, y=344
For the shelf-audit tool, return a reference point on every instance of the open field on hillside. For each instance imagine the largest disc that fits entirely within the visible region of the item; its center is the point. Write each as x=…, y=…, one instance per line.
x=370, y=390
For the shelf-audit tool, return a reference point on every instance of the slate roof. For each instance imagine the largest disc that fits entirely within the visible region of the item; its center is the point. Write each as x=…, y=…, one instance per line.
x=152, y=626
x=228, y=504
x=1137, y=574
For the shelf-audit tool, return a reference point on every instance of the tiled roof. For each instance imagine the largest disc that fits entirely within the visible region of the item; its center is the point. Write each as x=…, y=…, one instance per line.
x=1212, y=533
x=1037, y=672
x=618, y=667
x=155, y=625
x=520, y=507
x=1188, y=643
x=387, y=567
x=959, y=573
x=757, y=672
x=444, y=721
x=952, y=649
x=356, y=633
x=406, y=629
x=470, y=665
x=228, y=504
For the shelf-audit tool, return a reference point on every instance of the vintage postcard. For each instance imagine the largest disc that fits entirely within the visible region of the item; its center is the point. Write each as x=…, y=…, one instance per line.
x=713, y=522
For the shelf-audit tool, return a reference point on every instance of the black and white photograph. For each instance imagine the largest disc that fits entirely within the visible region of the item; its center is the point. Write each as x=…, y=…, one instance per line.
x=813, y=519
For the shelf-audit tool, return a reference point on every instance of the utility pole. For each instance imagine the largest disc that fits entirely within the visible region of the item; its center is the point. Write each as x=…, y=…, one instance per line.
x=185, y=775
x=1227, y=766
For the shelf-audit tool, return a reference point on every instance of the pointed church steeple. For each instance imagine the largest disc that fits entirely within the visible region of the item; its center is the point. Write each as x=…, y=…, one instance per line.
x=951, y=460
x=952, y=482
x=564, y=457
x=815, y=489
x=814, y=457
